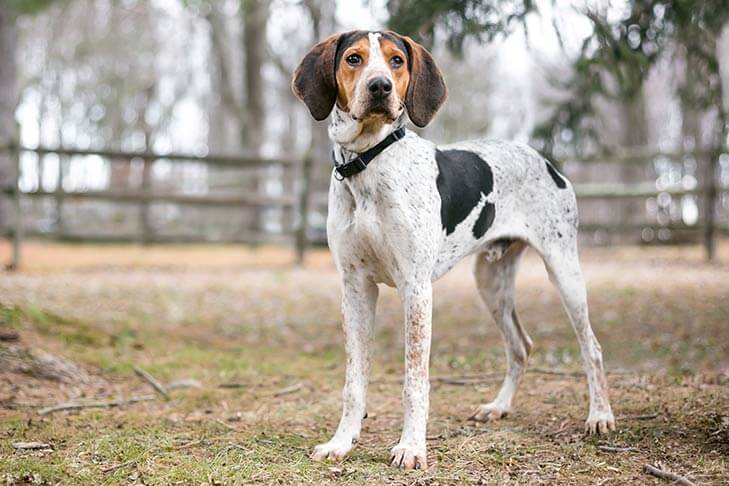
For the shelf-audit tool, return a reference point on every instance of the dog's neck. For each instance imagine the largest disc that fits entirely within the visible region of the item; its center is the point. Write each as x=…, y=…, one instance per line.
x=351, y=137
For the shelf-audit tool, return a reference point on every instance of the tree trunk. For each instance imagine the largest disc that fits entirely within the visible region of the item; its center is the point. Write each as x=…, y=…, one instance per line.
x=635, y=135
x=8, y=103
x=226, y=119
x=255, y=18
x=322, y=20
x=708, y=144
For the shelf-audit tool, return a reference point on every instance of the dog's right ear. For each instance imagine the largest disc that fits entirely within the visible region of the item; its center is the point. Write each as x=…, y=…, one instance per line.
x=315, y=81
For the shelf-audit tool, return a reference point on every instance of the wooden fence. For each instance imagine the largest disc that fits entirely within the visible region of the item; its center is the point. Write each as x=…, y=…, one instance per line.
x=707, y=188
x=300, y=169
x=301, y=202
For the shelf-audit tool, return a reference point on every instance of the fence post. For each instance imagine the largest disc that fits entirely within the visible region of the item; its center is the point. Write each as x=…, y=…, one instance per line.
x=710, y=195
x=145, y=224
x=301, y=239
x=17, y=206
x=59, y=195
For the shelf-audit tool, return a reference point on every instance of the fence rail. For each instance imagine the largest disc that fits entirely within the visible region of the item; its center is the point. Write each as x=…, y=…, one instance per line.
x=300, y=203
x=146, y=196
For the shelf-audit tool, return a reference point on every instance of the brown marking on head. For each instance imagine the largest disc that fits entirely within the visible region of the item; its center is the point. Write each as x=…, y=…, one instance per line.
x=339, y=70
x=427, y=89
x=400, y=73
x=347, y=74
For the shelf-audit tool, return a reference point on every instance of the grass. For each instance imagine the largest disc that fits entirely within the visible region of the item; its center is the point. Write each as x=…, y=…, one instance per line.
x=660, y=315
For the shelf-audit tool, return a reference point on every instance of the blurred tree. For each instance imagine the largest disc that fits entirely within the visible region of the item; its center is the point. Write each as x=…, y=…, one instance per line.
x=616, y=59
x=613, y=65
x=458, y=20
x=239, y=73
x=27, y=6
x=255, y=20
x=9, y=12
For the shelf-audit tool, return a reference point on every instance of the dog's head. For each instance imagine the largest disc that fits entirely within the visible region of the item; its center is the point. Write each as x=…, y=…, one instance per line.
x=372, y=76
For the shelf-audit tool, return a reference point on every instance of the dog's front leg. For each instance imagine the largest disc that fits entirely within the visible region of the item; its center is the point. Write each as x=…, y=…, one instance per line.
x=359, y=297
x=410, y=452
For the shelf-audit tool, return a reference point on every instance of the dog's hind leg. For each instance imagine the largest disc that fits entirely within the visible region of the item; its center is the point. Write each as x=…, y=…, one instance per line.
x=563, y=266
x=359, y=298
x=495, y=280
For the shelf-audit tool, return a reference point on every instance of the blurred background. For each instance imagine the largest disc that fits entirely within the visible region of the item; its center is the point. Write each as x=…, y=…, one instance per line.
x=158, y=179
x=173, y=120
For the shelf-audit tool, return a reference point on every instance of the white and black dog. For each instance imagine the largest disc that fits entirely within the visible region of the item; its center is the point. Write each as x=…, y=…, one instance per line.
x=403, y=211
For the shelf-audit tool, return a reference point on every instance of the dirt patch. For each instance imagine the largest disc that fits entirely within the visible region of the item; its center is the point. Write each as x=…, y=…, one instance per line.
x=660, y=315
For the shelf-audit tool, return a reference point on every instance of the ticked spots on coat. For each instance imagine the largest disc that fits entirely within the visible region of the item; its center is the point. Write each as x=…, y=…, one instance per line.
x=464, y=179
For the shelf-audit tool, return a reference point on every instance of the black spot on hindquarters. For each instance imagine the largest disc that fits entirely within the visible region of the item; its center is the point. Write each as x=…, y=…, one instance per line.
x=463, y=179
x=556, y=176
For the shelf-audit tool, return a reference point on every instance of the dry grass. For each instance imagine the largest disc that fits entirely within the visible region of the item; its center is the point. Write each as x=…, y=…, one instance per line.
x=229, y=315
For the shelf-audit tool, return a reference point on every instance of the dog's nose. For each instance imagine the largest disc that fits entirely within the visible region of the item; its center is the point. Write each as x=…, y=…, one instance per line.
x=380, y=87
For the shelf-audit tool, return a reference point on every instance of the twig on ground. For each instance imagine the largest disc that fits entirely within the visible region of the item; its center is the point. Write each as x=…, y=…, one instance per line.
x=639, y=417
x=75, y=405
x=31, y=446
x=9, y=336
x=609, y=448
x=576, y=374
x=227, y=426
x=233, y=385
x=158, y=387
x=186, y=383
x=288, y=389
x=113, y=468
x=547, y=371
x=464, y=381
x=660, y=473
x=192, y=443
x=562, y=427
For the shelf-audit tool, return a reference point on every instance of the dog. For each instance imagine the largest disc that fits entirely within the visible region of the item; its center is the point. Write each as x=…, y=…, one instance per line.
x=403, y=211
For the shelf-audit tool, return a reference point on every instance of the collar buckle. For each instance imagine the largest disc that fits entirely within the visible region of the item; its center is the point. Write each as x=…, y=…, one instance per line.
x=358, y=164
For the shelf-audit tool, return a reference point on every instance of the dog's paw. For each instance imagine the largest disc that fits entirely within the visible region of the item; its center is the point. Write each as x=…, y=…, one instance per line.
x=599, y=423
x=335, y=450
x=488, y=412
x=408, y=457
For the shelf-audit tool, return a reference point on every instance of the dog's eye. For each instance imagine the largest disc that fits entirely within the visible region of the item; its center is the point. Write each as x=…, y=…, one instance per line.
x=354, y=59
x=396, y=61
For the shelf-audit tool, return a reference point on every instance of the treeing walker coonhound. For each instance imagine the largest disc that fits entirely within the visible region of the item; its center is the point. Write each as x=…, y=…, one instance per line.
x=403, y=211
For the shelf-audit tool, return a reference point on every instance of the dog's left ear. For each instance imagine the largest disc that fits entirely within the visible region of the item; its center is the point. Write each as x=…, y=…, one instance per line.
x=315, y=81
x=427, y=90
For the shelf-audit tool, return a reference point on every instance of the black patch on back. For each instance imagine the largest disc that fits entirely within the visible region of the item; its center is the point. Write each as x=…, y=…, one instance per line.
x=556, y=176
x=463, y=179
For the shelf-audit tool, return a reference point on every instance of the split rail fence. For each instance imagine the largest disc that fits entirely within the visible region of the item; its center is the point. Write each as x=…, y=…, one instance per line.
x=301, y=202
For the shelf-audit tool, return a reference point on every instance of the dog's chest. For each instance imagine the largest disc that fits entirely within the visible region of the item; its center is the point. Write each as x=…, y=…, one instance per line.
x=382, y=220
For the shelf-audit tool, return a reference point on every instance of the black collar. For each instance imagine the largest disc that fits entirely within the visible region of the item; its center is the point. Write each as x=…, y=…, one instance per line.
x=362, y=160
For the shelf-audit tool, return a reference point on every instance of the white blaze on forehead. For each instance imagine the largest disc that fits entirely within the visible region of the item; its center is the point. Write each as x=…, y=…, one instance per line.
x=376, y=63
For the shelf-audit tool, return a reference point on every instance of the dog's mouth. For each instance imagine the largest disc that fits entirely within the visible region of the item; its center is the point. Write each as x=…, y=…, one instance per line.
x=378, y=110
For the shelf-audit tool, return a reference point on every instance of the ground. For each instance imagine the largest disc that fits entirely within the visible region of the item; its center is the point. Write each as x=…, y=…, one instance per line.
x=269, y=331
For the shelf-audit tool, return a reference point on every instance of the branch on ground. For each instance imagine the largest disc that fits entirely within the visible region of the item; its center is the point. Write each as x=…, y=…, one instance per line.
x=40, y=364
x=667, y=475
x=158, y=387
x=78, y=405
x=31, y=446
